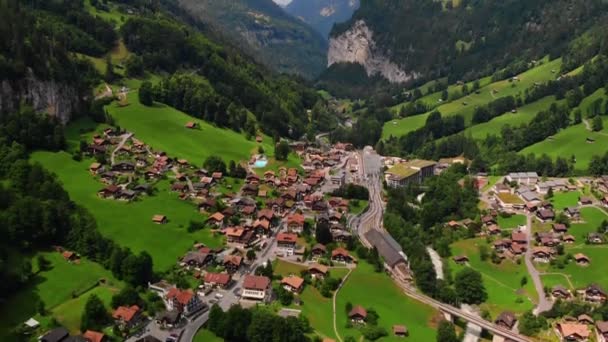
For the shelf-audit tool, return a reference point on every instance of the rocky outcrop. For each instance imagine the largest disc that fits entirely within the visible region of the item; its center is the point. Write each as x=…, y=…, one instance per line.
x=54, y=98
x=356, y=45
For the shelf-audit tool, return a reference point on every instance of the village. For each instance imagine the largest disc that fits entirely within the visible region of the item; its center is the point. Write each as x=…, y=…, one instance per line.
x=277, y=215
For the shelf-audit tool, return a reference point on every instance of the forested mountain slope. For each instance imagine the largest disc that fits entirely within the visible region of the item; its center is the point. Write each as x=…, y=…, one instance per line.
x=405, y=40
x=275, y=38
x=322, y=14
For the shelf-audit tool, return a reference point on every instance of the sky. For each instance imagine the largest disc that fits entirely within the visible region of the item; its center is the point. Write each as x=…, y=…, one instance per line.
x=282, y=2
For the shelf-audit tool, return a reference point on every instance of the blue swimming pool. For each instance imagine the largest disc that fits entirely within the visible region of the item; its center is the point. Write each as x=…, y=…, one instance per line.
x=260, y=163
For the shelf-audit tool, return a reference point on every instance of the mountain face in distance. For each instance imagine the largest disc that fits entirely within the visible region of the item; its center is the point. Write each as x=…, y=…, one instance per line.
x=322, y=14
x=275, y=38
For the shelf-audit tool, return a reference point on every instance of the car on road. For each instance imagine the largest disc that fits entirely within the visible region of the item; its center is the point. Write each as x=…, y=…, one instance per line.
x=219, y=295
x=236, y=290
x=213, y=301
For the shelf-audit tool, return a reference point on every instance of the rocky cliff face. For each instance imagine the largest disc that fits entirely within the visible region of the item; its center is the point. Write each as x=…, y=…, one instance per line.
x=53, y=98
x=356, y=45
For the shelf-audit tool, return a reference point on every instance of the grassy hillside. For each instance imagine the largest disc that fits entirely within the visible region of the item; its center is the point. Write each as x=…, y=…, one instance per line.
x=466, y=105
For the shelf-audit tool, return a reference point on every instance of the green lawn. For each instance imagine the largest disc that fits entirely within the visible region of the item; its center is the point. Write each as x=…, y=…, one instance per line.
x=68, y=314
x=572, y=142
x=541, y=73
x=285, y=268
x=205, y=335
x=502, y=282
x=130, y=224
x=318, y=310
x=565, y=199
x=56, y=288
x=524, y=115
x=596, y=271
x=376, y=290
x=355, y=210
x=511, y=222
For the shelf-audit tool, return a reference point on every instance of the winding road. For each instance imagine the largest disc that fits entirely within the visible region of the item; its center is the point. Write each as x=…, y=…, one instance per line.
x=543, y=303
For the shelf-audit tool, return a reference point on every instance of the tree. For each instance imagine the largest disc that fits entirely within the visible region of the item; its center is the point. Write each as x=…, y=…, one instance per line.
x=127, y=296
x=281, y=151
x=250, y=255
x=598, y=124
x=109, y=76
x=215, y=164
x=578, y=117
x=146, y=94
x=469, y=287
x=216, y=320
x=523, y=281
x=95, y=315
x=43, y=263
x=322, y=233
x=549, y=193
x=446, y=332
x=134, y=66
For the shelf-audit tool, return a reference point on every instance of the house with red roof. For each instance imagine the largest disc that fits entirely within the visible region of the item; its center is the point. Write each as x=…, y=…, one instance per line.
x=184, y=301
x=341, y=255
x=94, y=336
x=286, y=243
x=127, y=317
x=256, y=288
x=216, y=219
x=293, y=284
x=295, y=223
x=221, y=280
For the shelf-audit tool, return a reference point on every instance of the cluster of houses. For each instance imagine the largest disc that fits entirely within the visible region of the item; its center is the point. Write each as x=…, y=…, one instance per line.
x=61, y=334
x=601, y=185
x=358, y=316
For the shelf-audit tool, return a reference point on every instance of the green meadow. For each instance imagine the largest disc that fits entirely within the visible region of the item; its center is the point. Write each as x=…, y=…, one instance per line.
x=60, y=287
x=130, y=224
x=513, y=221
x=377, y=291
x=541, y=73
x=564, y=199
x=502, y=282
x=572, y=141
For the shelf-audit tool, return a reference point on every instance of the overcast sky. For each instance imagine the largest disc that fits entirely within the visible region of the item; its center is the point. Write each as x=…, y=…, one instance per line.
x=282, y=2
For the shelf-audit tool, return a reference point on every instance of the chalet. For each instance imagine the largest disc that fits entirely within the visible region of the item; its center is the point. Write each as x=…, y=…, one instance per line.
x=320, y=206
x=494, y=229
x=123, y=166
x=531, y=207
x=217, y=219
x=94, y=168
x=221, y=280
x=262, y=193
x=318, y=251
x=595, y=238
x=602, y=330
x=110, y=191
x=56, y=335
x=197, y=259
x=143, y=188
x=358, y=315
x=286, y=242
x=605, y=201
x=107, y=177
x=548, y=239
x=295, y=223
x=216, y=176
x=560, y=292
x=249, y=190
x=506, y=320
x=293, y=284
x=585, y=319
x=542, y=254
x=585, y=200
x=581, y=259
x=318, y=271
x=191, y=125
x=266, y=214
x=232, y=263
x=545, y=215
x=461, y=259
x=126, y=317
x=248, y=211
x=572, y=331
x=207, y=205
x=69, y=256
x=594, y=294
x=239, y=236
x=94, y=336
x=568, y=239
x=501, y=245
x=488, y=220
x=184, y=301
x=341, y=255
x=207, y=181
x=261, y=227
x=165, y=320
x=400, y=330
x=517, y=249
x=573, y=213
x=559, y=228
x=159, y=219
x=96, y=149
x=256, y=288
x=519, y=237
x=127, y=195
x=179, y=187
x=341, y=235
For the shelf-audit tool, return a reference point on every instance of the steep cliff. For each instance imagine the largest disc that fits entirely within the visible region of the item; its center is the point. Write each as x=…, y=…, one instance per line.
x=357, y=45
x=50, y=97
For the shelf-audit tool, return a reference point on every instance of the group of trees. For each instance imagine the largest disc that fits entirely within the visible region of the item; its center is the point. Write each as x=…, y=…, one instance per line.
x=352, y=191
x=256, y=325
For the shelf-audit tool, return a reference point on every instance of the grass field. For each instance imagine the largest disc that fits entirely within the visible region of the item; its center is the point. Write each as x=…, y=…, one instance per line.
x=486, y=94
x=502, y=282
x=596, y=271
x=572, y=142
x=511, y=222
x=510, y=198
x=55, y=287
x=564, y=199
x=69, y=314
x=130, y=224
x=376, y=290
x=205, y=335
x=524, y=115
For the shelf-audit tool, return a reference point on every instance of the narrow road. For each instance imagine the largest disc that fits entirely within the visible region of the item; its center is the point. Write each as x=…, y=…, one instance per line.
x=543, y=303
x=122, y=142
x=334, y=304
x=107, y=93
